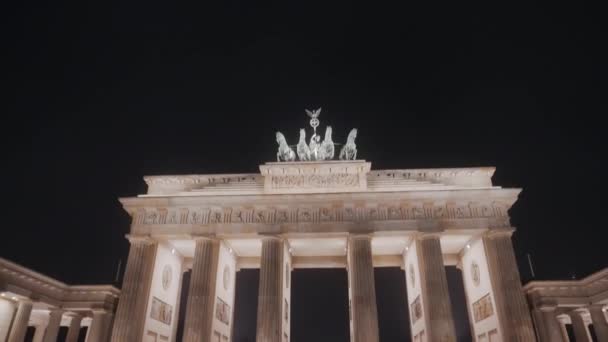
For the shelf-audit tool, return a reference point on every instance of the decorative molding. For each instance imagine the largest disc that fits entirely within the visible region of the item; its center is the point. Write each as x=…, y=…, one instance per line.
x=23, y=282
x=296, y=173
x=569, y=293
x=315, y=177
x=347, y=212
x=483, y=308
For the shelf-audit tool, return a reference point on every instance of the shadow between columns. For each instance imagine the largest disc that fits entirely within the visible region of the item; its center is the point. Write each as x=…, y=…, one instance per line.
x=459, y=303
x=246, y=305
x=391, y=300
x=319, y=305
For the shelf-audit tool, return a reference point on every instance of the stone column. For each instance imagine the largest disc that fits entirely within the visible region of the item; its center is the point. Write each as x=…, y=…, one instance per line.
x=434, y=289
x=179, y=300
x=52, y=328
x=562, y=328
x=99, y=330
x=581, y=332
x=549, y=329
x=39, y=333
x=201, y=298
x=199, y=309
x=20, y=322
x=131, y=311
x=599, y=322
x=511, y=306
x=363, y=289
x=74, y=329
x=270, y=295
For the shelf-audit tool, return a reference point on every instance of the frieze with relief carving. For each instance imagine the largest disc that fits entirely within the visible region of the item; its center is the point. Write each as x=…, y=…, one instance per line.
x=315, y=181
x=312, y=214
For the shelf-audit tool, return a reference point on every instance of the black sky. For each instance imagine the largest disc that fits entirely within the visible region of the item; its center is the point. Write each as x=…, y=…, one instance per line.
x=104, y=92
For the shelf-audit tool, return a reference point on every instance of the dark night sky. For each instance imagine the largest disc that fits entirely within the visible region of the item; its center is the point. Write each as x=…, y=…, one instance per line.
x=108, y=91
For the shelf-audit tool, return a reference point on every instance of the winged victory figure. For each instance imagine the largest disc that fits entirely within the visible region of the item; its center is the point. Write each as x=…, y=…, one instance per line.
x=327, y=146
x=349, y=150
x=284, y=153
x=302, y=148
x=313, y=113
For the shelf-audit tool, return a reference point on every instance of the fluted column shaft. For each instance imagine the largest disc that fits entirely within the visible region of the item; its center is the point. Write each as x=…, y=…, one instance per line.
x=434, y=288
x=52, y=328
x=74, y=329
x=131, y=311
x=599, y=322
x=22, y=318
x=363, y=289
x=39, y=333
x=549, y=329
x=201, y=298
x=99, y=331
x=511, y=306
x=177, y=305
x=270, y=295
x=581, y=332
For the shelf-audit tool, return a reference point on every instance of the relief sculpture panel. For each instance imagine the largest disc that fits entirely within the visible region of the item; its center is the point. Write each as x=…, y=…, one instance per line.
x=334, y=213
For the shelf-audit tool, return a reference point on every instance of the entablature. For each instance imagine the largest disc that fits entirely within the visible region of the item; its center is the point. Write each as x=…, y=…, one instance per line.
x=336, y=176
x=322, y=212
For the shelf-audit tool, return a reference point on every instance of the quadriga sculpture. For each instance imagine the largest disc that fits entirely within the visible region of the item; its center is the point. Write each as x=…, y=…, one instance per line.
x=327, y=146
x=349, y=150
x=285, y=153
x=302, y=148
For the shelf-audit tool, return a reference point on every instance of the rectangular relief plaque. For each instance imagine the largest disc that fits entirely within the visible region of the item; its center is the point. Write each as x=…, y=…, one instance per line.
x=483, y=308
x=222, y=311
x=161, y=311
x=416, y=310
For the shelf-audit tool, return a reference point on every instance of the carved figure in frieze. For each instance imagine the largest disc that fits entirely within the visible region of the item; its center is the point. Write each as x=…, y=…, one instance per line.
x=282, y=216
x=304, y=215
x=262, y=216
x=172, y=218
x=327, y=146
x=215, y=217
x=302, y=148
x=349, y=150
x=327, y=214
x=394, y=213
x=152, y=217
x=195, y=217
x=237, y=216
x=348, y=214
x=285, y=153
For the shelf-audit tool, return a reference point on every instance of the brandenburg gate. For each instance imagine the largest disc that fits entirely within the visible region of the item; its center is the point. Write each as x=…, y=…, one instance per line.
x=320, y=212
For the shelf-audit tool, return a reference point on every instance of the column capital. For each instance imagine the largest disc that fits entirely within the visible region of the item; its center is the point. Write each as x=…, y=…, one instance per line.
x=500, y=232
x=143, y=239
x=99, y=311
x=56, y=311
x=577, y=311
x=210, y=237
x=428, y=235
x=359, y=236
x=547, y=308
x=21, y=299
x=272, y=237
x=73, y=314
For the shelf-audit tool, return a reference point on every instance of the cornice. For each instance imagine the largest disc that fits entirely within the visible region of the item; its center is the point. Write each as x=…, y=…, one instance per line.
x=536, y=285
x=318, y=177
x=41, y=288
x=509, y=196
x=588, y=290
